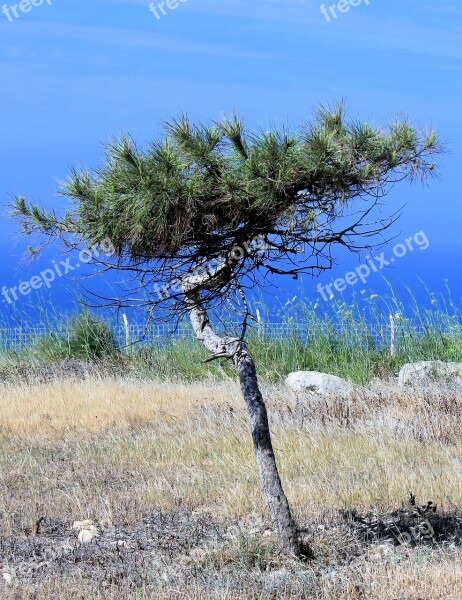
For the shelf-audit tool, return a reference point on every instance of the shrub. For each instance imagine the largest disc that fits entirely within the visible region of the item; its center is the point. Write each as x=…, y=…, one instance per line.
x=86, y=338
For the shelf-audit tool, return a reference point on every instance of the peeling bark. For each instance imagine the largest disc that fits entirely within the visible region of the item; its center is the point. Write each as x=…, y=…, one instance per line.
x=235, y=349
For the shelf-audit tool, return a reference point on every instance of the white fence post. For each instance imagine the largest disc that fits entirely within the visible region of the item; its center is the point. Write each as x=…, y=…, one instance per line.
x=127, y=332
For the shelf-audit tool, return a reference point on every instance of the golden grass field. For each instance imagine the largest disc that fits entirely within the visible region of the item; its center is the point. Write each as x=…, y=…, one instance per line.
x=113, y=449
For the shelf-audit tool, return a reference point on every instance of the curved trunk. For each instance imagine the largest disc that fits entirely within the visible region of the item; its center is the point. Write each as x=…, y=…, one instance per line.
x=236, y=350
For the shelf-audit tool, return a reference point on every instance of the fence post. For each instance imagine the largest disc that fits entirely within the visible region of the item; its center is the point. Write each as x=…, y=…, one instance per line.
x=127, y=332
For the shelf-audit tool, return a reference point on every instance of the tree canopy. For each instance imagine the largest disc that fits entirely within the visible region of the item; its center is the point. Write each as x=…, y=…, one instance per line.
x=205, y=190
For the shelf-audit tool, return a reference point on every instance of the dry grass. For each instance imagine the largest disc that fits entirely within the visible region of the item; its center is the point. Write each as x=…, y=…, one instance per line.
x=117, y=449
x=72, y=407
x=420, y=576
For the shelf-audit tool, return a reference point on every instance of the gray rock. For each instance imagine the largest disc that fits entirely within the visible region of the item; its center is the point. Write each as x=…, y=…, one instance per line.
x=422, y=373
x=319, y=386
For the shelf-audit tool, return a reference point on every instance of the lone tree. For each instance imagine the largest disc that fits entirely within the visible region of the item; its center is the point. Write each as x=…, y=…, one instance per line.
x=199, y=218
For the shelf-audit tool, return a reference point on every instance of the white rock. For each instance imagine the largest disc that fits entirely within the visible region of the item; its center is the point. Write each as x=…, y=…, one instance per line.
x=78, y=525
x=86, y=536
x=432, y=371
x=8, y=578
x=319, y=386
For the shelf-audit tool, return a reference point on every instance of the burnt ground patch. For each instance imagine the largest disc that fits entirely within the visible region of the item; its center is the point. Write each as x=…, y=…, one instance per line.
x=169, y=550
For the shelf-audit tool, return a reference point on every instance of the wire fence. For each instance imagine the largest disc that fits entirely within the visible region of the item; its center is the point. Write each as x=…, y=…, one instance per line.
x=18, y=338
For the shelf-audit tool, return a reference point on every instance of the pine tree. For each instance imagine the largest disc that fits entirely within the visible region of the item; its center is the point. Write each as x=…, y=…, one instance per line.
x=209, y=212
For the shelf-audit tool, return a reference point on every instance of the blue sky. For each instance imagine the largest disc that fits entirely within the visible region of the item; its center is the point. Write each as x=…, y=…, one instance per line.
x=76, y=72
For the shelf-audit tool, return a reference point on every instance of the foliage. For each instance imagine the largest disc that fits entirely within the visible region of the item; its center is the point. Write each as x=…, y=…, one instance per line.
x=85, y=338
x=204, y=191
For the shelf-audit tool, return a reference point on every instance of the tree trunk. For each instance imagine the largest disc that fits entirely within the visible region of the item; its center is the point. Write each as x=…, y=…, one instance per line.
x=283, y=522
x=236, y=350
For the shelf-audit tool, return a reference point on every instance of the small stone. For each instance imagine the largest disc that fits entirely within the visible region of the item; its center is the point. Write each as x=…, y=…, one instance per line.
x=78, y=525
x=86, y=536
x=8, y=578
